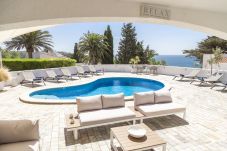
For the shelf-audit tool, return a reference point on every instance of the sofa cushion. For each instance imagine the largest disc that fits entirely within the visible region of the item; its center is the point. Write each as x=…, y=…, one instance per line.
x=18, y=130
x=143, y=98
x=89, y=103
x=160, y=109
x=21, y=146
x=105, y=115
x=163, y=96
x=115, y=100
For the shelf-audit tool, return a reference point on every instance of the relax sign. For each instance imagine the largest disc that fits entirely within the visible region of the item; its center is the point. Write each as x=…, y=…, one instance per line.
x=147, y=10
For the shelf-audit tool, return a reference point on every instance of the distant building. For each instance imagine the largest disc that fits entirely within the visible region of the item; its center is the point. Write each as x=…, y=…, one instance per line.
x=47, y=55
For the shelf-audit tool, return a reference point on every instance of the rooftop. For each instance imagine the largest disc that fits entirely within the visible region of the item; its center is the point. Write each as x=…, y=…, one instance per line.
x=204, y=129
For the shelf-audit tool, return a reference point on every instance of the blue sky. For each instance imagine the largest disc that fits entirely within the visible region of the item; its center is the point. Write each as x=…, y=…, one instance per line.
x=165, y=39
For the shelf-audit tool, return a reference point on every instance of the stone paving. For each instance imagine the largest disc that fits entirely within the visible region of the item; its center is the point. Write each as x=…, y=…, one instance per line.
x=205, y=128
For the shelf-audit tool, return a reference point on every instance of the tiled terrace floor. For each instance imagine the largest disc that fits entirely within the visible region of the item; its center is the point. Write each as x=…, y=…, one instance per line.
x=206, y=116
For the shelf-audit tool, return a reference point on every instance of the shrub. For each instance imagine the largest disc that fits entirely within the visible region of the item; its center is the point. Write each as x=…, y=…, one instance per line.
x=29, y=64
x=4, y=74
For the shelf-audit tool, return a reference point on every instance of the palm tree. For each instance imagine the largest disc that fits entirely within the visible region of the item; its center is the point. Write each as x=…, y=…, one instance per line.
x=33, y=41
x=92, y=48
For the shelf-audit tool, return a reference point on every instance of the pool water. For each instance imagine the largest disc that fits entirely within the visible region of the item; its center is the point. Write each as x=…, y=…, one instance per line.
x=115, y=85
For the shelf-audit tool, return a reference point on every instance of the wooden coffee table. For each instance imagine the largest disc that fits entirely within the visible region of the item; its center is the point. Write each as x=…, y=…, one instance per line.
x=128, y=143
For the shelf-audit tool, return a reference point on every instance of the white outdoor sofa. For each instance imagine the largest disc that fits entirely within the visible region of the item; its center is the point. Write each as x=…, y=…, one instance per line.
x=155, y=104
x=19, y=135
x=100, y=110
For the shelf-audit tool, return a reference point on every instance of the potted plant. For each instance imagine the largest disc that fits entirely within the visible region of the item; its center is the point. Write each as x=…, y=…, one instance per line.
x=216, y=58
x=4, y=76
x=134, y=61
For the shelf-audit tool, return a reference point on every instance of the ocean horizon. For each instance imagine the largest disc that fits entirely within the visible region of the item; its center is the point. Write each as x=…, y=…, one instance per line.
x=179, y=60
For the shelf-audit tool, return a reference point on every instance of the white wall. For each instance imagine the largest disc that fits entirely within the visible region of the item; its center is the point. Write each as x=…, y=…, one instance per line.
x=164, y=70
x=21, y=14
x=206, y=65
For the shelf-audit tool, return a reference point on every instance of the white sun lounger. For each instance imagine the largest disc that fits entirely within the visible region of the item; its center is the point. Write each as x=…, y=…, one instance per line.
x=191, y=75
x=51, y=75
x=80, y=71
x=94, y=71
x=220, y=84
x=211, y=79
x=29, y=77
x=66, y=72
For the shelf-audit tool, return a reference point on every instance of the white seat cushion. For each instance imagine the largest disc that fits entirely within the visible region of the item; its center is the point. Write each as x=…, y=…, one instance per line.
x=21, y=146
x=89, y=103
x=144, y=98
x=163, y=96
x=160, y=109
x=105, y=116
x=114, y=100
x=18, y=130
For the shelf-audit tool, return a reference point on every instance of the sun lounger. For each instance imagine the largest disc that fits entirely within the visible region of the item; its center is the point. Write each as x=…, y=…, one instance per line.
x=154, y=104
x=51, y=75
x=211, y=79
x=29, y=77
x=220, y=84
x=73, y=71
x=80, y=71
x=100, y=110
x=66, y=73
x=92, y=70
x=63, y=73
x=19, y=135
x=191, y=75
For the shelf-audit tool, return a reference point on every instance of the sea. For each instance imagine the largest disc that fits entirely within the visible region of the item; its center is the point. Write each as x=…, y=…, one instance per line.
x=179, y=60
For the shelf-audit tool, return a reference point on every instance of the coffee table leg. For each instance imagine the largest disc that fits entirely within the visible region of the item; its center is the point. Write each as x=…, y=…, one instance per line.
x=111, y=141
x=164, y=147
x=75, y=133
x=111, y=138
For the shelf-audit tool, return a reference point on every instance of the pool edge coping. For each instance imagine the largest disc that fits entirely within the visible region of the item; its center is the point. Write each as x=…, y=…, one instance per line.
x=25, y=98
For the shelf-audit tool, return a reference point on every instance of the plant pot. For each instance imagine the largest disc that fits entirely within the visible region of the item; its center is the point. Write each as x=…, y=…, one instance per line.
x=2, y=84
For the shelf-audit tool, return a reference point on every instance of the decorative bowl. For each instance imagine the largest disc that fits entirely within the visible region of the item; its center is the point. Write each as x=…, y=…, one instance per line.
x=136, y=131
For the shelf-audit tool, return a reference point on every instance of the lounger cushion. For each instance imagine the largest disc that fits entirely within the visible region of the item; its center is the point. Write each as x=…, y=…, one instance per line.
x=143, y=98
x=115, y=100
x=105, y=116
x=163, y=96
x=20, y=146
x=18, y=130
x=160, y=109
x=89, y=103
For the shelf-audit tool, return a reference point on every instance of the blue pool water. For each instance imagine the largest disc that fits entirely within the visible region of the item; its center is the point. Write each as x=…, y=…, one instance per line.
x=101, y=86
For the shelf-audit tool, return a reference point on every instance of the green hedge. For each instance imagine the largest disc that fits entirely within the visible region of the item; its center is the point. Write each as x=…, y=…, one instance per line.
x=29, y=64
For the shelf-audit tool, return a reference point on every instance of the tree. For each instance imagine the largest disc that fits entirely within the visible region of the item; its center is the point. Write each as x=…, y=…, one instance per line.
x=75, y=53
x=128, y=44
x=33, y=41
x=92, y=48
x=145, y=55
x=108, y=58
x=206, y=47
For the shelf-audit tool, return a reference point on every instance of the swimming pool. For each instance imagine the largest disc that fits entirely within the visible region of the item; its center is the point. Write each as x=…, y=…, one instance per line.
x=113, y=85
